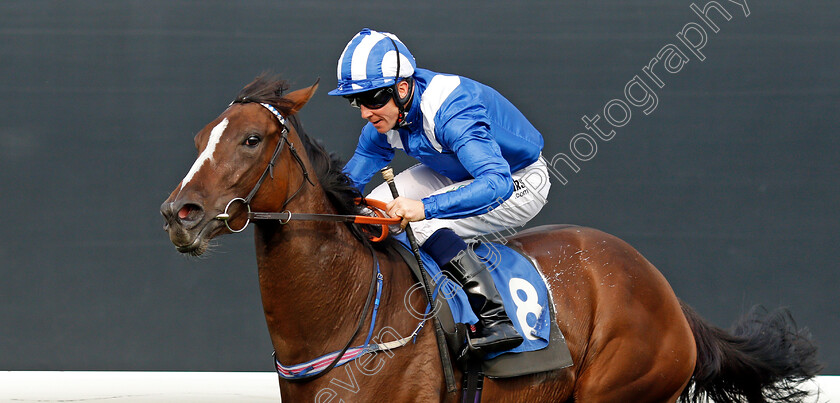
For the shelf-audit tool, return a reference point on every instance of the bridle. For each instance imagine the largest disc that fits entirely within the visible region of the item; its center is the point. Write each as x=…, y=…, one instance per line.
x=286, y=216
x=269, y=171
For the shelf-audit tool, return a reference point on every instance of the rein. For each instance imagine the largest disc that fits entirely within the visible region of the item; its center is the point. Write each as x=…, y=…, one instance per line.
x=286, y=216
x=304, y=372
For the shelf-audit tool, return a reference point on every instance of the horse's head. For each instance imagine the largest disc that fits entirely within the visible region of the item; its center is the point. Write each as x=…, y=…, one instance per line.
x=234, y=154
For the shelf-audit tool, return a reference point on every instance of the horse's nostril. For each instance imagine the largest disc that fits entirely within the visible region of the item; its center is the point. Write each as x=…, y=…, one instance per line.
x=189, y=212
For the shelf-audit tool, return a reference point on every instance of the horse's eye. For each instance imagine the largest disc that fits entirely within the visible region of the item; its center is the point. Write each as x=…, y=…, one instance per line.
x=252, y=141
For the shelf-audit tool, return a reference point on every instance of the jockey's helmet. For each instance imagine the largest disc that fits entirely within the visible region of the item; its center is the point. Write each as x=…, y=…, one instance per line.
x=372, y=60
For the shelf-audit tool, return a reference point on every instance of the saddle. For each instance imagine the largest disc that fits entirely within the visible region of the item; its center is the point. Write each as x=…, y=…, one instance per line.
x=548, y=352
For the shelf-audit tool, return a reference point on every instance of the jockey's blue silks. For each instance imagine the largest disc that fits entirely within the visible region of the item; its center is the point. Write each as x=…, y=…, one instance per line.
x=461, y=129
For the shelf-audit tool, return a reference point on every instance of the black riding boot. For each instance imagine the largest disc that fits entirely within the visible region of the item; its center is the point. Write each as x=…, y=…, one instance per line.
x=495, y=331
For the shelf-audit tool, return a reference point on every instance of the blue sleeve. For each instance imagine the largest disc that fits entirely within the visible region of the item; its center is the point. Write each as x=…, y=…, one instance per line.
x=468, y=135
x=372, y=154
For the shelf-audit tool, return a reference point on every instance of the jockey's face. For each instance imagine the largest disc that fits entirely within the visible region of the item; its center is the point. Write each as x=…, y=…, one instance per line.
x=384, y=118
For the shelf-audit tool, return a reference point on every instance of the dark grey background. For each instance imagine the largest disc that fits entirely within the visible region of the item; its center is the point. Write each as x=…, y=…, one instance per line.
x=730, y=186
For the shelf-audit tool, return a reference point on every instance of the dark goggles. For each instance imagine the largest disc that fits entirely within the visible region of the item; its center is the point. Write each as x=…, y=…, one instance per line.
x=373, y=99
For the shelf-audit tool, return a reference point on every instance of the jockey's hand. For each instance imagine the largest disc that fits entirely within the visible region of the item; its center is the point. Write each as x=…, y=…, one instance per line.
x=408, y=209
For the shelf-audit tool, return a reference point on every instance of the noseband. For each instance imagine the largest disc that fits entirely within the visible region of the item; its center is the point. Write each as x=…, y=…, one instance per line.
x=269, y=171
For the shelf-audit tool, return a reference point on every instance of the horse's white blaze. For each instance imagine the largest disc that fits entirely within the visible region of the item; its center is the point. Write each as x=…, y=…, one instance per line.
x=207, y=154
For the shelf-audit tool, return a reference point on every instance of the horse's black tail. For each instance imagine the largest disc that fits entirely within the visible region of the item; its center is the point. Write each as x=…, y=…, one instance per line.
x=762, y=359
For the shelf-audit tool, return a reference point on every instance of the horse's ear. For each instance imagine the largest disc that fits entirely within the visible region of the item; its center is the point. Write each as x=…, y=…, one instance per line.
x=300, y=97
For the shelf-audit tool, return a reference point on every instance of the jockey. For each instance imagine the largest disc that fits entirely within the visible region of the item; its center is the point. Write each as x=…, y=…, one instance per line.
x=476, y=153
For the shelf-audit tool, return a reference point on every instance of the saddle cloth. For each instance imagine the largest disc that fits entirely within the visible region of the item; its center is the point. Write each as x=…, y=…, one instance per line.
x=526, y=301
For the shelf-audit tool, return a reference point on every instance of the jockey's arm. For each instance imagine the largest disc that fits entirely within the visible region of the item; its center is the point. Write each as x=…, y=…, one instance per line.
x=372, y=154
x=482, y=158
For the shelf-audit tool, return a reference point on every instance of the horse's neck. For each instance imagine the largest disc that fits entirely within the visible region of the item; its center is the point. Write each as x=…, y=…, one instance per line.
x=314, y=278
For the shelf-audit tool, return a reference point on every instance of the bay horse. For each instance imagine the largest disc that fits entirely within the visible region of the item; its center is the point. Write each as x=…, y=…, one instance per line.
x=631, y=338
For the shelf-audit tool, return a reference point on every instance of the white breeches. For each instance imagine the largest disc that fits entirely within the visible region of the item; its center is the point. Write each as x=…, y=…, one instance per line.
x=531, y=185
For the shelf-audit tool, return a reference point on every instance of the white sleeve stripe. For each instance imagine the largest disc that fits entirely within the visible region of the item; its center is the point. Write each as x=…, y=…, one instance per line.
x=394, y=139
x=436, y=93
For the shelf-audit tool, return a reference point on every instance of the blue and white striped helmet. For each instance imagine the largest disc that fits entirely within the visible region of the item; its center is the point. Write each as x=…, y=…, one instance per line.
x=369, y=61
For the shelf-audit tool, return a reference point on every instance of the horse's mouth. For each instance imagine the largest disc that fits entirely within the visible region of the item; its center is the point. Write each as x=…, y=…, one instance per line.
x=197, y=244
x=196, y=248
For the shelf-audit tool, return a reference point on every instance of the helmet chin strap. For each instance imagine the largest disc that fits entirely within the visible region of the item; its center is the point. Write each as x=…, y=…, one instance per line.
x=401, y=122
x=400, y=101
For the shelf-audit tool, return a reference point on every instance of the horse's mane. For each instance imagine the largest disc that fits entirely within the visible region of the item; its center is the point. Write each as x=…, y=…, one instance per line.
x=327, y=166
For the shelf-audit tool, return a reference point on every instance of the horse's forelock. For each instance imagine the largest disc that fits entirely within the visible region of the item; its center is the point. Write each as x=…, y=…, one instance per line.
x=266, y=88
